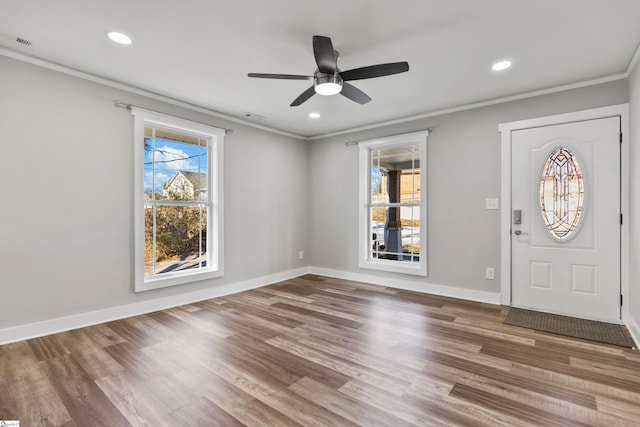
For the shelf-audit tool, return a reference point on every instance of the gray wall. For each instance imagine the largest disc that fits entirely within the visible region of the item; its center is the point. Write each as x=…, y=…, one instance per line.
x=66, y=219
x=634, y=253
x=463, y=169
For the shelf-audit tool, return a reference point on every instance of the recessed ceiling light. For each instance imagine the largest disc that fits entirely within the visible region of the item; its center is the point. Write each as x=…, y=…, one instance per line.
x=314, y=115
x=502, y=65
x=119, y=37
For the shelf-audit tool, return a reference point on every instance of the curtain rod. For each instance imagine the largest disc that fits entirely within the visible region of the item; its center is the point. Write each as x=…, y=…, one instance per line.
x=356, y=142
x=119, y=104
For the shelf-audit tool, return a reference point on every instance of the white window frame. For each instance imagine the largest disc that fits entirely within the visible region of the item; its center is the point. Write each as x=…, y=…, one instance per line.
x=215, y=138
x=364, y=256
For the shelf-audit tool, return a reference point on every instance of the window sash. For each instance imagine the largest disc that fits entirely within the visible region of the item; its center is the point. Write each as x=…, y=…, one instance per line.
x=394, y=205
x=202, y=251
x=177, y=203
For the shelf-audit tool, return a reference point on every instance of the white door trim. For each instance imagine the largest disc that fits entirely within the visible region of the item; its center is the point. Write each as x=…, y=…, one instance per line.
x=621, y=110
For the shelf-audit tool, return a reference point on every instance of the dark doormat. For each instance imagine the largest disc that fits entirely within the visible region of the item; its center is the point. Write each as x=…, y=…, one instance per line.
x=608, y=333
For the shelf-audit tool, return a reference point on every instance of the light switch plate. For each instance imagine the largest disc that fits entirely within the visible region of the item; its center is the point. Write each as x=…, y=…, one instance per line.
x=492, y=203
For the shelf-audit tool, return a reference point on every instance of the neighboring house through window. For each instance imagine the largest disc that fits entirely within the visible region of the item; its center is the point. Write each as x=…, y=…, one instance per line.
x=393, y=209
x=178, y=224
x=185, y=185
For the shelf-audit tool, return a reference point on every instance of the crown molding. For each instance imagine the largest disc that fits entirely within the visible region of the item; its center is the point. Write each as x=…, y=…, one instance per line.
x=123, y=86
x=133, y=89
x=633, y=62
x=495, y=101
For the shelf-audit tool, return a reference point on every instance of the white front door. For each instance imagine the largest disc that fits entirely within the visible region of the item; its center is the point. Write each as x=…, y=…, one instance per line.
x=566, y=221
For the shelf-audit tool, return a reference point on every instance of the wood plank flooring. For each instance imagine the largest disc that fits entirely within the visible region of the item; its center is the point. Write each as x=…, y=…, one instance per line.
x=317, y=351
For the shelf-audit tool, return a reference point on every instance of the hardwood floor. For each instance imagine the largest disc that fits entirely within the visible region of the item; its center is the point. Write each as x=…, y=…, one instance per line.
x=316, y=351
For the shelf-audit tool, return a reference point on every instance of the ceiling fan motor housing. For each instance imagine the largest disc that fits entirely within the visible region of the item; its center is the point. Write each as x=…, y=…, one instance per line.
x=327, y=83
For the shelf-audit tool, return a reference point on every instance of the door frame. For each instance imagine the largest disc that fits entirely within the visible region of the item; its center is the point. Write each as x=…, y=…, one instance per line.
x=505, y=129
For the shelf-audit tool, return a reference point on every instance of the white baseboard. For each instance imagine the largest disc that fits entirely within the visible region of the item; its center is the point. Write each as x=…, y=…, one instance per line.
x=634, y=329
x=47, y=327
x=52, y=326
x=409, y=285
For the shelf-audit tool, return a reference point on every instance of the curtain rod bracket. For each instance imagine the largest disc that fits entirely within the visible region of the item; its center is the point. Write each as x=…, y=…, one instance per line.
x=117, y=103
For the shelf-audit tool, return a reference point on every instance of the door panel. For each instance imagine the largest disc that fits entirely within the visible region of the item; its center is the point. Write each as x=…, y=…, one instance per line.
x=578, y=275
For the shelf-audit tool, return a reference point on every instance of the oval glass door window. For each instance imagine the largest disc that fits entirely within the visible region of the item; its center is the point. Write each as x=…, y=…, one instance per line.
x=561, y=193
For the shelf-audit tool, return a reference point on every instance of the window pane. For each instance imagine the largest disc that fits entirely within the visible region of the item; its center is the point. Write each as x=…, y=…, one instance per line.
x=180, y=238
x=410, y=219
x=174, y=169
x=378, y=185
x=378, y=218
x=410, y=186
x=148, y=240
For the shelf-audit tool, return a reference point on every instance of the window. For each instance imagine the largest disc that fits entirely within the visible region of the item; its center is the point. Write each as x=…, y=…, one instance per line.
x=393, y=209
x=178, y=207
x=561, y=193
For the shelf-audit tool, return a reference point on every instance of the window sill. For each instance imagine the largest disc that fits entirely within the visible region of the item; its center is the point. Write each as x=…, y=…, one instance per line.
x=179, y=279
x=395, y=267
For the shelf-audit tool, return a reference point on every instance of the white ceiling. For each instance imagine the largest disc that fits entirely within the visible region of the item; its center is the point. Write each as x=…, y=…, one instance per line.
x=200, y=51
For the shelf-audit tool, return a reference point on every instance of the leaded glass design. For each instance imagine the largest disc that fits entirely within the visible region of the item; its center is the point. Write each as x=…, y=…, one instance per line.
x=561, y=193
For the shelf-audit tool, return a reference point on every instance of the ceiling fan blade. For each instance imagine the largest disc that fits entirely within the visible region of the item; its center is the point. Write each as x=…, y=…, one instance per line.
x=303, y=97
x=280, y=76
x=354, y=94
x=325, y=55
x=372, y=71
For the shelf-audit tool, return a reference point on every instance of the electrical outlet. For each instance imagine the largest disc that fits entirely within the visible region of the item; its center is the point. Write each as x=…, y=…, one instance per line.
x=491, y=273
x=300, y=255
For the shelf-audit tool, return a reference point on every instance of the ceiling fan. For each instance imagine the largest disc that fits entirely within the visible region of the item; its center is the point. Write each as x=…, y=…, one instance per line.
x=329, y=80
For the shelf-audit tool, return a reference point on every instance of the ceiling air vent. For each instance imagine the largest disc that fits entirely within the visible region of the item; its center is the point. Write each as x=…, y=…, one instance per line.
x=23, y=42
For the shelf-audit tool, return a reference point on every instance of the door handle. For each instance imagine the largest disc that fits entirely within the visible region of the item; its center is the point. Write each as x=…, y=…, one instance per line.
x=519, y=232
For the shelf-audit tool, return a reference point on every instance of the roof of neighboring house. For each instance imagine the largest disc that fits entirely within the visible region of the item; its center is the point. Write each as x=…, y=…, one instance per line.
x=199, y=180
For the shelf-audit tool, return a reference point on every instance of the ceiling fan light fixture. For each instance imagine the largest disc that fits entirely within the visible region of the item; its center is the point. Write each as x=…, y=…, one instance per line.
x=327, y=84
